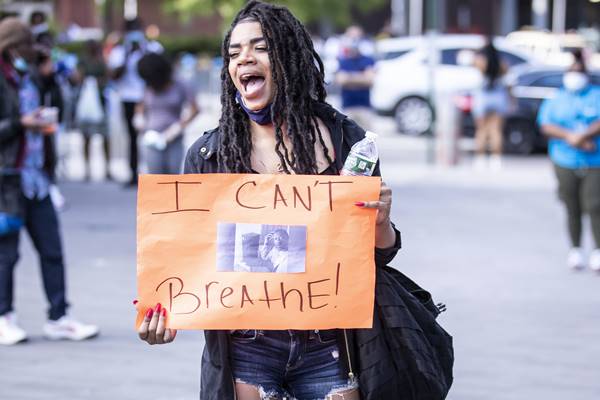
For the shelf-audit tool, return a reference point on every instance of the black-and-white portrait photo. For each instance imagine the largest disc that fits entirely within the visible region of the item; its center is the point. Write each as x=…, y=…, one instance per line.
x=261, y=248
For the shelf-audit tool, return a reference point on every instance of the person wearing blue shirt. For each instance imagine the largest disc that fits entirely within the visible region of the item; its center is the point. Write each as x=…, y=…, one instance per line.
x=571, y=120
x=355, y=76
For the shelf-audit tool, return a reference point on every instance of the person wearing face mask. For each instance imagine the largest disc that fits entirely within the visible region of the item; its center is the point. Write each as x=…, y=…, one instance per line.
x=122, y=64
x=571, y=121
x=24, y=190
x=355, y=77
x=44, y=77
x=275, y=120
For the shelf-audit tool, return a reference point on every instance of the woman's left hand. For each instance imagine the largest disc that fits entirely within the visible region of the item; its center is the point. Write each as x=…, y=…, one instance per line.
x=383, y=205
x=385, y=236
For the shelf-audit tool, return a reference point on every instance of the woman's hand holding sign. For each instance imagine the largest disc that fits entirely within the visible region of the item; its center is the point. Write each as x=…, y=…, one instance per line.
x=153, y=329
x=385, y=236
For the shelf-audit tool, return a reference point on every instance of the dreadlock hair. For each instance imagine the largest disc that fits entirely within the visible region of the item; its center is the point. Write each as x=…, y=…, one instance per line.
x=298, y=77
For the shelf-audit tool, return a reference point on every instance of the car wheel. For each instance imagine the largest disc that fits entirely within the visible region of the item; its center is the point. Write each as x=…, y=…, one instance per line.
x=519, y=136
x=414, y=116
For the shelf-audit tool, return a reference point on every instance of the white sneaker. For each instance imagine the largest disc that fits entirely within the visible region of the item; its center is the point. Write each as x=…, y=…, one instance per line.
x=480, y=162
x=10, y=332
x=595, y=260
x=495, y=162
x=575, y=258
x=69, y=329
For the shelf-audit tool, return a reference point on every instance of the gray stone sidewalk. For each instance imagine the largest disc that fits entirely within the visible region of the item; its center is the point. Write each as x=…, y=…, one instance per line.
x=490, y=246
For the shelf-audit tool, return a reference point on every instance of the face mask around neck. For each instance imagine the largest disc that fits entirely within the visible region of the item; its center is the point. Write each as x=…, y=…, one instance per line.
x=261, y=117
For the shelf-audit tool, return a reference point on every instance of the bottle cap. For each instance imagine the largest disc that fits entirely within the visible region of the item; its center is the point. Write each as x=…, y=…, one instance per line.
x=371, y=135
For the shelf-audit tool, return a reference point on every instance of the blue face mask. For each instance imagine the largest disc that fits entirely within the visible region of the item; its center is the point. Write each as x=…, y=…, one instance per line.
x=261, y=117
x=135, y=37
x=20, y=64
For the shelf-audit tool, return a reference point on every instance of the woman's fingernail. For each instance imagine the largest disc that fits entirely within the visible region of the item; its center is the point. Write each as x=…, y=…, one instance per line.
x=135, y=302
x=164, y=312
x=359, y=204
x=157, y=308
x=149, y=313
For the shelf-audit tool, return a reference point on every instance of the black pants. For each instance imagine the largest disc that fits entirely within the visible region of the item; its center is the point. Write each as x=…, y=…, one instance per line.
x=579, y=189
x=129, y=109
x=41, y=223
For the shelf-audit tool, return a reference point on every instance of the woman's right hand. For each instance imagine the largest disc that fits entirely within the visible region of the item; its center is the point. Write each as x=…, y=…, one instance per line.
x=269, y=239
x=152, y=330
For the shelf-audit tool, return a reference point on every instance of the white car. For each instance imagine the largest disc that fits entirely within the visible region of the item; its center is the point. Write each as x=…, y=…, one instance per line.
x=404, y=78
x=554, y=48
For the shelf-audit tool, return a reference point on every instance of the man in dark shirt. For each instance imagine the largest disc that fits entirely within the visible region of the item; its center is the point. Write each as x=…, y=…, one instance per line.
x=355, y=77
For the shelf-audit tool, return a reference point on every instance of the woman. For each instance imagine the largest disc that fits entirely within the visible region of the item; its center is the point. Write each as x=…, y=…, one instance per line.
x=490, y=103
x=160, y=117
x=275, y=250
x=275, y=120
x=50, y=94
x=571, y=120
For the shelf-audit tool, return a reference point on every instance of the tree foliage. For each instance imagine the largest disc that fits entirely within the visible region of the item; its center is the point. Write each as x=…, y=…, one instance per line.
x=337, y=12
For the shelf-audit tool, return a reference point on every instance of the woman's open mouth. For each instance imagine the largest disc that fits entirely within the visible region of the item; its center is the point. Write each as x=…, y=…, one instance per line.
x=253, y=83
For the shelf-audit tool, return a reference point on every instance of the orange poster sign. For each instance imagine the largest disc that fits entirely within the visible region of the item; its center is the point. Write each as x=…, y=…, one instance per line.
x=242, y=251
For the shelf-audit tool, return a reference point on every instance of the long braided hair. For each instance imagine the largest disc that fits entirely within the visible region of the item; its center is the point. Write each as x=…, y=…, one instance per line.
x=297, y=73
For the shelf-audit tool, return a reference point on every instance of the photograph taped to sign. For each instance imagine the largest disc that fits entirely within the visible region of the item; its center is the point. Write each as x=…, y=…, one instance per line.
x=261, y=248
x=211, y=248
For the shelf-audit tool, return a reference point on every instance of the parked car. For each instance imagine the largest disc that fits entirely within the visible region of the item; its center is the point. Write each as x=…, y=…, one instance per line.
x=554, y=48
x=403, y=78
x=529, y=86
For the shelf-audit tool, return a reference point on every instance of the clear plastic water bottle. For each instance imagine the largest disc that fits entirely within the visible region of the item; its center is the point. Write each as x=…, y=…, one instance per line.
x=362, y=158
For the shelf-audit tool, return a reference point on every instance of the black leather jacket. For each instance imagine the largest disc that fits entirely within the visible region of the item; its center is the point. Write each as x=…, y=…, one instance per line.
x=11, y=148
x=363, y=352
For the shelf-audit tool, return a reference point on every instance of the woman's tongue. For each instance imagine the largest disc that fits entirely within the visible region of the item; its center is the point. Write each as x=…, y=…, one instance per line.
x=254, y=85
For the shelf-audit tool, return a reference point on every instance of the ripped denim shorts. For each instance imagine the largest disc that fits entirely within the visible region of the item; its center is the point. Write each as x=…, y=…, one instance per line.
x=301, y=365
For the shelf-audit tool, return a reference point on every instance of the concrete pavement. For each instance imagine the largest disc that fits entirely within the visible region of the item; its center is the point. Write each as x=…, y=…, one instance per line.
x=491, y=246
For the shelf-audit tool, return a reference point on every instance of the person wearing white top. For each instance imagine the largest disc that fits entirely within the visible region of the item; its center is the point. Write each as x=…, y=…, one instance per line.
x=122, y=62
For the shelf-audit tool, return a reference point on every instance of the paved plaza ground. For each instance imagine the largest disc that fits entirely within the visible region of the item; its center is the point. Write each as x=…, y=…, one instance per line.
x=490, y=245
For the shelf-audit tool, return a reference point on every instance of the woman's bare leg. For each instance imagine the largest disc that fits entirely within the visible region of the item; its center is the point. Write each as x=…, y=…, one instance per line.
x=350, y=394
x=245, y=391
x=86, y=155
x=481, y=135
x=495, y=131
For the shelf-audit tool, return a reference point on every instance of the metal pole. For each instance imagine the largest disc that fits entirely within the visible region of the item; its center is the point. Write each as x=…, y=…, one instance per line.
x=539, y=10
x=432, y=61
x=130, y=9
x=509, y=16
x=559, y=16
x=399, y=17
x=416, y=17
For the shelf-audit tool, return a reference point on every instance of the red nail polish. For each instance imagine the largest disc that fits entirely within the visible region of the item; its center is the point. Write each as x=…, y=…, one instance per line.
x=359, y=204
x=149, y=313
x=135, y=302
x=164, y=312
x=157, y=308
